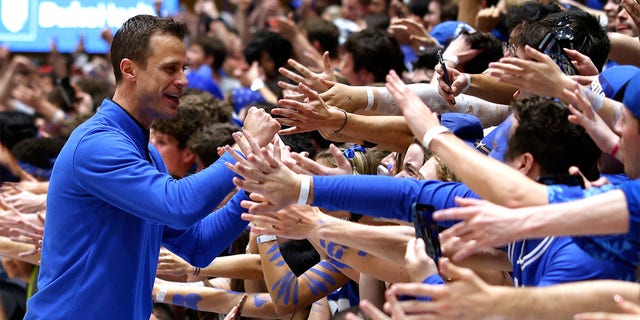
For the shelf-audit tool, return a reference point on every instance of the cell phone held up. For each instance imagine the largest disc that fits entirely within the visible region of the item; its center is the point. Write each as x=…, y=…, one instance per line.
x=445, y=72
x=427, y=229
x=552, y=48
x=565, y=179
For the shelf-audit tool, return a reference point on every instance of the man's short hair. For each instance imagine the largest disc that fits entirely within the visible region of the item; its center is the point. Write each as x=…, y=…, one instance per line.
x=323, y=31
x=131, y=41
x=205, y=141
x=573, y=29
x=555, y=143
x=376, y=52
x=212, y=47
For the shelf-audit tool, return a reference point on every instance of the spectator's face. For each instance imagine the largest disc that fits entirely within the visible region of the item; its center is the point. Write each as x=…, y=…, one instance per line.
x=627, y=129
x=346, y=68
x=351, y=10
x=412, y=162
x=378, y=6
x=178, y=161
x=433, y=16
x=625, y=24
x=195, y=56
x=611, y=10
x=158, y=85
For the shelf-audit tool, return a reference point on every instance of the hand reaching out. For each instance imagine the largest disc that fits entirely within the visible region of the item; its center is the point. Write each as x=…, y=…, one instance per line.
x=319, y=82
x=418, y=263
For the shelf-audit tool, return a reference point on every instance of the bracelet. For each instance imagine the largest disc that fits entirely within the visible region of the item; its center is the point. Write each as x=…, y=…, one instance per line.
x=196, y=271
x=266, y=238
x=432, y=133
x=468, y=83
x=305, y=186
x=369, y=98
x=614, y=150
x=162, y=292
x=343, y=123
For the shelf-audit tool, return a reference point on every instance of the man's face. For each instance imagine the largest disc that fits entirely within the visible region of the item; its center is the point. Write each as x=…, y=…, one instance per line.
x=627, y=129
x=611, y=9
x=432, y=17
x=412, y=162
x=159, y=84
x=195, y=56
x=625, y=24
x=351, y=10
x=172, y=156
x=347, y=69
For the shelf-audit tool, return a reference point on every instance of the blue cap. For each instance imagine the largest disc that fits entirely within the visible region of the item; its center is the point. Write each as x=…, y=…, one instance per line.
x=498, y=139
x=446, y=31
x=631, y=94
x=465, y=126
x=612, y=79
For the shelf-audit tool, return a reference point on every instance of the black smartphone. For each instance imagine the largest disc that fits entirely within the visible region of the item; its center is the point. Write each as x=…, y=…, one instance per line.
x=445, y=72
x=566, y=179
x=552, y=48
x=427, y=229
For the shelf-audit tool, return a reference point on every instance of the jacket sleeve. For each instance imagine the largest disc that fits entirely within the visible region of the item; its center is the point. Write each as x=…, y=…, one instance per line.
x=108, y=166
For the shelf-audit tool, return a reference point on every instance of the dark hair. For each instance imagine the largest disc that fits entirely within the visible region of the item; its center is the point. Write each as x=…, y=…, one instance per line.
x=589, y=38
x=555, y=143
x=529, y=11
x=323, y=31
x=277, y=47
x=212, y=47
x=194, y=112
x=205, y=141
x=15, y=126
x=490, y=51
x=448, y=10
x=131, y=41
x=38, y=152
x=376, y=52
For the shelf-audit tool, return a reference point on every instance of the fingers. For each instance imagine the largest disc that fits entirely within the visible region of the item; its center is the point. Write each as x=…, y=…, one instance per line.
x=341, y=161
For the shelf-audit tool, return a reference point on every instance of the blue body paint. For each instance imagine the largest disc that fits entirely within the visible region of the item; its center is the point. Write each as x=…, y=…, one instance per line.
x=259, y=302
x=190, y=301
x=362, y=253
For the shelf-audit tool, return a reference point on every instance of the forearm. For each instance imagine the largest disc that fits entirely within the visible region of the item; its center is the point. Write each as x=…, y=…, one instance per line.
x=214, y=300
x=468, y=10
x=289, y=292
x=624, y=49
x=239, y=266
x=489, y=113
x=489, y=178
x=489, y=88
x=561, y=301
x=602, y=214
x=12, y=249
x=344, y=251
x=387, y=132
x=610, y=112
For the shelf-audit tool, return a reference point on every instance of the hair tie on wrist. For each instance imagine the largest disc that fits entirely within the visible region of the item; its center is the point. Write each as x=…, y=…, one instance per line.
x=344, y=124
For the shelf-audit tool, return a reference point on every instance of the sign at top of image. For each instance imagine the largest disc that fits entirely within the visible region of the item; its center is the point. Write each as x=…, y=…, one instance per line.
x=32, y=25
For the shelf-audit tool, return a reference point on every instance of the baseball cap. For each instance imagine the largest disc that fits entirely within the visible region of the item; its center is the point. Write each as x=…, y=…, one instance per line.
x=465, y=126
x=612, y=79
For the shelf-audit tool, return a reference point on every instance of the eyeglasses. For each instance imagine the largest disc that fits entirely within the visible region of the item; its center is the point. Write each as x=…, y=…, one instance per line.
x=509, y=48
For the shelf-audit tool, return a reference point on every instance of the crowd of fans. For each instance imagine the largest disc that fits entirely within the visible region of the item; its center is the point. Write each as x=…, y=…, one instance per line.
x=383, y=106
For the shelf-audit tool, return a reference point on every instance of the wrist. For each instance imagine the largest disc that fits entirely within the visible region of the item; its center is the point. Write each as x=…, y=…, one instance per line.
x=432, y=133
x=256, y=84
x=264, y=238
x=452, y=60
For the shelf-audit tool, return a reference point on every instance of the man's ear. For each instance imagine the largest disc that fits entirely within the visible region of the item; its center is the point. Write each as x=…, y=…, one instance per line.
x=128, y=68
x=525, y=163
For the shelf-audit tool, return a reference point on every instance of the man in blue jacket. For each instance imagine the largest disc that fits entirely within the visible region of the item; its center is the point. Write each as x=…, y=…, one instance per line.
x=111, y=202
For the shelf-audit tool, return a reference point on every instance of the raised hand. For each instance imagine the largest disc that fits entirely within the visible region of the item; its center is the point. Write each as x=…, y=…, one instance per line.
x=169, y=263
x=292, y=222
x=311, y=114
x=419, y=117
x=276, y=185
x=260, y=125
x=319, y=82
x=483, y=225
x=418, y=263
